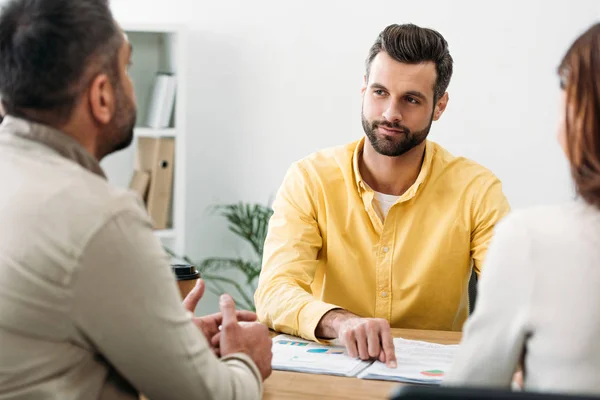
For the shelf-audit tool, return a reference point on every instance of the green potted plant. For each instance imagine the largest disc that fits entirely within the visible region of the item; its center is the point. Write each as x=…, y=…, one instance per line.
x=249, y=222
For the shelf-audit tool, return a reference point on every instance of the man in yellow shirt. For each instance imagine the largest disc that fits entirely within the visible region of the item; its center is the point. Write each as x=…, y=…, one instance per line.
x=383, y=231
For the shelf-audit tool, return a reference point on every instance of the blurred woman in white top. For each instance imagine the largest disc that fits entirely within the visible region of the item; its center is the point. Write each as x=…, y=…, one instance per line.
x=539, y=294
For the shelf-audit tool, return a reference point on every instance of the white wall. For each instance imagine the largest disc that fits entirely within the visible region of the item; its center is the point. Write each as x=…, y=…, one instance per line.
x=271, y=81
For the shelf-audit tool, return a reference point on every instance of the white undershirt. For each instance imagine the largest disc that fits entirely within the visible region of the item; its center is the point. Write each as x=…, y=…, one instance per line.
x=383, y=202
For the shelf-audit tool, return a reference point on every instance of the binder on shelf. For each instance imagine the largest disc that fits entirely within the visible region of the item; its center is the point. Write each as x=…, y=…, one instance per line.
x=156, y=157
x=140, y=182
x=162, y=101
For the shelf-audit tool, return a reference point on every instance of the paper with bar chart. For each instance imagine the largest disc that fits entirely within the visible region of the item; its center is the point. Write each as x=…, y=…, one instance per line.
x=418, y=362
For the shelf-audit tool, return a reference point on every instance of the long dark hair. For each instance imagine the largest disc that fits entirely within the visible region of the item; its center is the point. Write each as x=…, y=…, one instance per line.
x=580, y=77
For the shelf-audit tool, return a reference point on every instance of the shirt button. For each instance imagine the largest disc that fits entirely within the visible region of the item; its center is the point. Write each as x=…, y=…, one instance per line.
x=386, y=249
x=383, y=294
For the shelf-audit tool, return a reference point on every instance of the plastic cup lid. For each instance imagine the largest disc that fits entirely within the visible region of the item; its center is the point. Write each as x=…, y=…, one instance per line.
x=185, y=271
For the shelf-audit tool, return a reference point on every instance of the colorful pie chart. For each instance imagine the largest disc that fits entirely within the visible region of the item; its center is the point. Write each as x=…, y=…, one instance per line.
x=433, y=372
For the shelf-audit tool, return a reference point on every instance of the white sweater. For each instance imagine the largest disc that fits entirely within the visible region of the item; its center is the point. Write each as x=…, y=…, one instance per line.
x=539, y=293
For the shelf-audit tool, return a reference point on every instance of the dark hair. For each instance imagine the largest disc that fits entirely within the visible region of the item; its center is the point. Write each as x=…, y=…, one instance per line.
x=580, y=77
x=412, y=44
x=50, y=49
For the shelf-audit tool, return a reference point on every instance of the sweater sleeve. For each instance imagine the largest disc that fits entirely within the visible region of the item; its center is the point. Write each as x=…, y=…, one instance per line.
x=495, y=335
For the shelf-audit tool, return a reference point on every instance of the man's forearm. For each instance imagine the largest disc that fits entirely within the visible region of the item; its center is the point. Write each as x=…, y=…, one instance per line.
x=328, y=327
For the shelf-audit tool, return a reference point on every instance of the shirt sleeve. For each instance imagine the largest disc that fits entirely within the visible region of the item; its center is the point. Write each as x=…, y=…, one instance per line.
x=494, y=336
x=284, y=300
x=488, y=209
x=126, y=303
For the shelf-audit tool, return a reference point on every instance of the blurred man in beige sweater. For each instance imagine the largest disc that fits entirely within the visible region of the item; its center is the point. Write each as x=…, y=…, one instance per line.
x=89, y=308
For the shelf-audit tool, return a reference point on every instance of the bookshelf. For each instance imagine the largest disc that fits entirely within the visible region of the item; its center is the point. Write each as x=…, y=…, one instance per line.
x=157, y=48
x=152, y=132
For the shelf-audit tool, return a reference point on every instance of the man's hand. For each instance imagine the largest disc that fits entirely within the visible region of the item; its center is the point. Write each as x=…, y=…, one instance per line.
x=252, y=338
x=366, y=338
x=209, y=324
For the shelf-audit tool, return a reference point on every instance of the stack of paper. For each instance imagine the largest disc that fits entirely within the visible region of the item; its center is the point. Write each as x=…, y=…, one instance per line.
x=418, y=362
x=293, y=354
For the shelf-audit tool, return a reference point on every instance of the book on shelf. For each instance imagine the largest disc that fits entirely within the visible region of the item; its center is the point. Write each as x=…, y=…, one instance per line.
x=162, y=101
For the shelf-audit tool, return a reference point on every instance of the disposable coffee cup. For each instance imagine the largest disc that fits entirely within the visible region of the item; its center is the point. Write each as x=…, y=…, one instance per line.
x=187, y=275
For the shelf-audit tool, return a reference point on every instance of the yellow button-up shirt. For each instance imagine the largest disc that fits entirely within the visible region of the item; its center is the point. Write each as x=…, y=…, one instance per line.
x=327, y=247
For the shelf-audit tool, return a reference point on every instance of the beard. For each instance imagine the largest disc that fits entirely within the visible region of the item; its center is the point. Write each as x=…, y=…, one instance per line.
x=397, y=144
x=121, y=129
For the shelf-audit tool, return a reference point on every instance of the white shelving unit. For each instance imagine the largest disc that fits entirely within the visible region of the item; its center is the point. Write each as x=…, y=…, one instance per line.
x=157, y=48
x=141, y=131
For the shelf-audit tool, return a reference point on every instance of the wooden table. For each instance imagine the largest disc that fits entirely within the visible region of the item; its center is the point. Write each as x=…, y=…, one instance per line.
x=296, y=386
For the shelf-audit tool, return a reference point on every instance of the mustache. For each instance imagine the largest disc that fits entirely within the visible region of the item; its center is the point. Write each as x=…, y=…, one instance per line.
x=390, y=125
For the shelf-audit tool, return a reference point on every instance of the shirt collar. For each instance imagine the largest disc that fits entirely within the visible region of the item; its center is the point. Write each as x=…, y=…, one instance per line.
x=423, y=174
x=360, y=184
x=56, y=140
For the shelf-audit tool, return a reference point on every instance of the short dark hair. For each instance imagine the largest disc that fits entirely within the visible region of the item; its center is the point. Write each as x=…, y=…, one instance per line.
x=578, y=71
x=46, y=50
x=412, y=44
